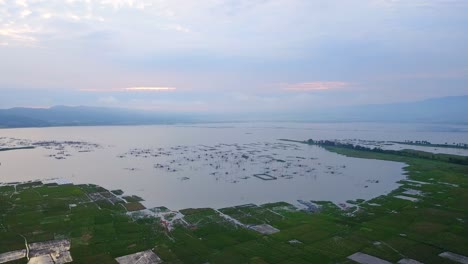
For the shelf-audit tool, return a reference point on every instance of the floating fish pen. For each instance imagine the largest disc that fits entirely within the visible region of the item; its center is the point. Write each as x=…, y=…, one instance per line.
x=265, y=177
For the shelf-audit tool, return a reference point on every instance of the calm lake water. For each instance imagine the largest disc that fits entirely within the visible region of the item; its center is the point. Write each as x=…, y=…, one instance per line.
x=215, y=165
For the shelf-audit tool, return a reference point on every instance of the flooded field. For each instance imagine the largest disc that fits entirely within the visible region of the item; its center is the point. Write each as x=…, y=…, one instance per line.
x=211, y=165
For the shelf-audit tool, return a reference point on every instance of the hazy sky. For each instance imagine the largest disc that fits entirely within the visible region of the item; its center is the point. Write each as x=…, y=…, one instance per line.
x=233, y=55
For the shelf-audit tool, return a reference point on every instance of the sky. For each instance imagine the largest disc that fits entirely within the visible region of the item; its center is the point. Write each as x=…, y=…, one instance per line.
x=231, y=55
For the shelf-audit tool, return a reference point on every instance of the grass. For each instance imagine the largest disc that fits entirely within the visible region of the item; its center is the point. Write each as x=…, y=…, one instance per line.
x=396, y=228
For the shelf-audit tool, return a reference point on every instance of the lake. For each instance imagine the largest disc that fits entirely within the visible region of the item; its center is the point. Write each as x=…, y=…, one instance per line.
x=215, y=165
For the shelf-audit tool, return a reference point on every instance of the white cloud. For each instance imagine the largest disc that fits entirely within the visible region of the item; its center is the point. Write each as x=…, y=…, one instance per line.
x=23, y=34
x=25, y=13
x=178, y=28
x=273, y=28
x=22, y=3
x=46, y=15
x=132, y=89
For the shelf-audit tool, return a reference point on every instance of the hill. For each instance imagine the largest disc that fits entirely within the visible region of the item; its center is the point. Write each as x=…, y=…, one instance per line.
x=83, y=116
x=439, y=110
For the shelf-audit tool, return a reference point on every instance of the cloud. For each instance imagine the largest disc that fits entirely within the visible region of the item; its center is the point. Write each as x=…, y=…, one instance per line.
x=25, y=13
x=266, y=50
x=146, y=89
x=395, y=4
x=178, y=28
x=22, y=3
x=314, y=86
x=24, y=34
x=446, y=74
x=132, y=89
x=119, y=4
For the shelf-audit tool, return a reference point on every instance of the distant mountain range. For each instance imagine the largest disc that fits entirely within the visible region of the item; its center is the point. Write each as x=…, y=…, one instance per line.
x=83, y=116
x=439, y=110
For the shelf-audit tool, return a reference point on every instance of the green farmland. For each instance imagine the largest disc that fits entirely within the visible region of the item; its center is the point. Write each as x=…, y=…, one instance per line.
x=101, y=227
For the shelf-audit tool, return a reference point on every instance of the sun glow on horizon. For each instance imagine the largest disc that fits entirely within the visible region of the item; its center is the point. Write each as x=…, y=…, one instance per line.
x=315, y=86
x=149, y=89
